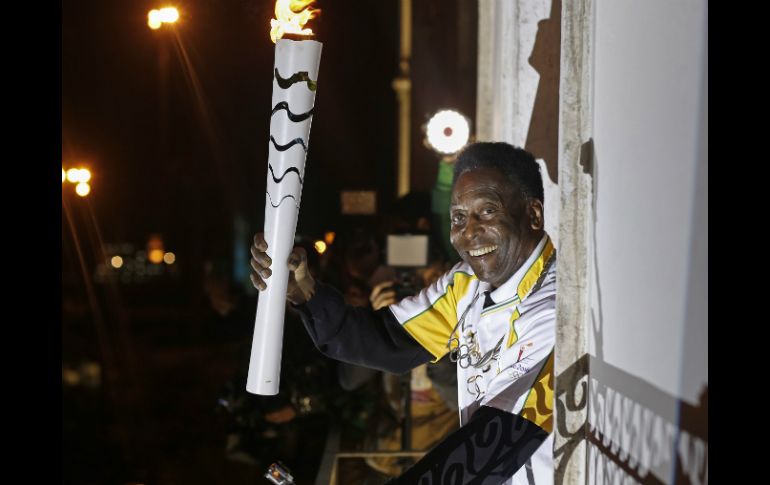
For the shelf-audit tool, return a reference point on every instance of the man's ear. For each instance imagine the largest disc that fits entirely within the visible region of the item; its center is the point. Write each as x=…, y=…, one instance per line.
x=535, y=213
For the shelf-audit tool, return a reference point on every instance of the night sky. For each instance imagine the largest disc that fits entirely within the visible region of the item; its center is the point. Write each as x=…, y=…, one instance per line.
x=178, y=147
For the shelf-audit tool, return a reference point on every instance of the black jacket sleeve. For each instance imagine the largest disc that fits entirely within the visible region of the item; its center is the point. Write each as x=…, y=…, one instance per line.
x=488, y=450
x=359, y=335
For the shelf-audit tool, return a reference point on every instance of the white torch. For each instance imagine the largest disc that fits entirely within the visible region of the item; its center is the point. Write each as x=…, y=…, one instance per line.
x=297, y=57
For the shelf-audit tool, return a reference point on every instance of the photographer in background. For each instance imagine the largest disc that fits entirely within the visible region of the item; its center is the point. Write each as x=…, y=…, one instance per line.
x=416, y=264
x=433, y=389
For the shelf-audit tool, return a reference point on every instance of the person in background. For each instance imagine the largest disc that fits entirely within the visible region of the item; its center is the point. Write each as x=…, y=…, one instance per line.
x=433, y=388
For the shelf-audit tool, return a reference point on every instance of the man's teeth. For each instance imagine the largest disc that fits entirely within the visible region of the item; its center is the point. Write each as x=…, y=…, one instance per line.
x=482, y=251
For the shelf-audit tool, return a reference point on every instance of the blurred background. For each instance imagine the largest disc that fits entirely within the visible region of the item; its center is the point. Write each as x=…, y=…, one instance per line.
x=164, y=148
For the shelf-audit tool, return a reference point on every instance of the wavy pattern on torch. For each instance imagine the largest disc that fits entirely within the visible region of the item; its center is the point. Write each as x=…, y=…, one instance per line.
x=279, y=179
x=283, y=148
x=297, y=77
x=294, y=117
x=282, y=199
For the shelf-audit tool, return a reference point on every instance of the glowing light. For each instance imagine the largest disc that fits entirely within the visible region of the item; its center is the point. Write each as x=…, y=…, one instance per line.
x=155, y=256
x=70, y=377
x=82, y=189
x=153, y=19
x=168, y=15
x=85, y=175
x=320, y=246
x=169, y=258
x=329, y=237
x=448, y=131
x=155, y=249
x=63, y=175
x=116, y=262
x=73, y=175
x=290, y=18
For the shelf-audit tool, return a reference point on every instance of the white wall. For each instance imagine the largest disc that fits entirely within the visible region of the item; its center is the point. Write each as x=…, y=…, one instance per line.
x=649, y=108
x=647, y=265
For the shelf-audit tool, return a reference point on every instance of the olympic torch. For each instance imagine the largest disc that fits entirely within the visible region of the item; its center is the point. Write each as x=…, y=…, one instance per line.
x=295, y=73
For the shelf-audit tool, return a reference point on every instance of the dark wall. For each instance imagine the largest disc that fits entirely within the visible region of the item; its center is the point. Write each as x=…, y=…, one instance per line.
x=443, y=73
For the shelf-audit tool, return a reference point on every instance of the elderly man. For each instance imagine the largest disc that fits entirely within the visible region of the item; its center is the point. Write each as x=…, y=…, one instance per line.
x=494, y=313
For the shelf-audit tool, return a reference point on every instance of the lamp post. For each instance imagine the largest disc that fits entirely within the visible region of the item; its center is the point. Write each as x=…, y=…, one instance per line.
x=157, y=18
x=402, y=85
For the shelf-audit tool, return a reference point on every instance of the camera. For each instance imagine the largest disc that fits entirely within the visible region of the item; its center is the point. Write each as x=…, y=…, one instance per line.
x=405, y=287
x=406, y=253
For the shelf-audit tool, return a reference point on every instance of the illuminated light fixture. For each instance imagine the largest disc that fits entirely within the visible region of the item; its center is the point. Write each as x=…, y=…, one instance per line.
x=329, y=237
x=63, y=175
x=116, y=262
x=155, y=249
x=153, y=19
x=169, y=258
x=85, y=175
x=155, y=256
x=166, y=15
x=82, y=189
x=448, y=131
x=73, y=175
x=320, y=246
x=70, y=377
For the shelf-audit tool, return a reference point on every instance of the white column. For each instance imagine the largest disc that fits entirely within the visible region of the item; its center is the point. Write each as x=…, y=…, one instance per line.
x=507, y=83
x=575, y=165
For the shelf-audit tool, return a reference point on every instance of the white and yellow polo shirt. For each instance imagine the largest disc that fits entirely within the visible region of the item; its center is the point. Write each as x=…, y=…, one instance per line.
x=518, y=318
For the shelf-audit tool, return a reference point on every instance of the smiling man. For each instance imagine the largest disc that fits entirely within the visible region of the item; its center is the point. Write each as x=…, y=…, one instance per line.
x=493, y=313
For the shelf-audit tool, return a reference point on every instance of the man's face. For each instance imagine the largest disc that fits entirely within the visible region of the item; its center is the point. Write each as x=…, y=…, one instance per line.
x=494, y=229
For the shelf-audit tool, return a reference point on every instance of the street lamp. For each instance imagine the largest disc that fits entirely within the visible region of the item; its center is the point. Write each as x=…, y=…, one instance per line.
x=155, y=19
x=79, y=177
x=85, y=175
x=82, y=189
x=158, y=17
x=167, y=15
x=73, y=175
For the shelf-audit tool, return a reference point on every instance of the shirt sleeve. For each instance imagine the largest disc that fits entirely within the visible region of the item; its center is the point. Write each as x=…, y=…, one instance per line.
x=488, y=450
x=359, y=335
x=431, y=315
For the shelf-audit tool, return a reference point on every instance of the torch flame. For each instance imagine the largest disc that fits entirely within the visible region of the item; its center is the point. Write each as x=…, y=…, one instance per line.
x=290, y=18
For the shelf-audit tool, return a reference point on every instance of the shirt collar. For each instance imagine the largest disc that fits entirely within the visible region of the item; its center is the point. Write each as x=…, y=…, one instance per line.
x=525, y=277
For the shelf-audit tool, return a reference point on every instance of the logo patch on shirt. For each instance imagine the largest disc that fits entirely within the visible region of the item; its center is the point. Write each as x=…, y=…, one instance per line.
x=520, y=368
x=522, y=348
